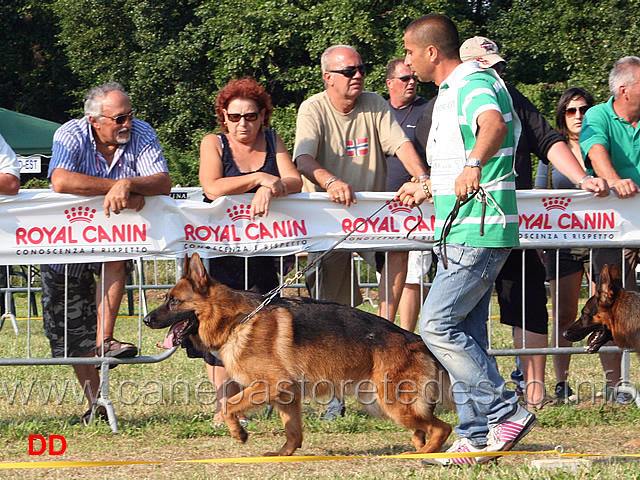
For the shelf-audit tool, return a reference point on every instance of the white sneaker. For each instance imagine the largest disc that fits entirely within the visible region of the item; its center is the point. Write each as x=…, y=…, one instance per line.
x=505, y=435
x=461, y=445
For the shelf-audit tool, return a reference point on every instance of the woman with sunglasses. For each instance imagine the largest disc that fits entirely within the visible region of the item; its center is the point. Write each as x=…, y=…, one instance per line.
x=244, y=158
x=574, y=262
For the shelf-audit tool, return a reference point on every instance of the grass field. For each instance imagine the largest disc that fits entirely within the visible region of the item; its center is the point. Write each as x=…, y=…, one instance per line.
x=164, y=412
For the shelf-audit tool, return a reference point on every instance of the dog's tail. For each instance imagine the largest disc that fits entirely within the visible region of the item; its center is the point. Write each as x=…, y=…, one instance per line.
x=435, y=386
x=445, y=387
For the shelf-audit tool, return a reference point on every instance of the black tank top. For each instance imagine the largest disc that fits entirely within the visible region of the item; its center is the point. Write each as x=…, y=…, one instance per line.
x=230, y=168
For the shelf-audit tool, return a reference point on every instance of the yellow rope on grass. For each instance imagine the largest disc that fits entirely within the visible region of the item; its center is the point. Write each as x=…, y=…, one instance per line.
x=80, y=464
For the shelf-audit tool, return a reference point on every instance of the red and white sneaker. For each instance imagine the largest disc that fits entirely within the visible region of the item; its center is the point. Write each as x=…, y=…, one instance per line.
x=462, y=445
x=505, y=435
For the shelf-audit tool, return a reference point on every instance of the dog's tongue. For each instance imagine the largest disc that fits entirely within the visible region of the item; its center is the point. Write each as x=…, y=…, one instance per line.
x=168, y=341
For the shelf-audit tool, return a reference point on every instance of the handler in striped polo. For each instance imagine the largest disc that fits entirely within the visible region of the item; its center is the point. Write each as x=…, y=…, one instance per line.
x=471, y=149
x=109, y=153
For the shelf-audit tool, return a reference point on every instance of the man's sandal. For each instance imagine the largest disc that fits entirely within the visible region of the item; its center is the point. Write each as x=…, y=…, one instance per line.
x=116, y=349
x=100, y=415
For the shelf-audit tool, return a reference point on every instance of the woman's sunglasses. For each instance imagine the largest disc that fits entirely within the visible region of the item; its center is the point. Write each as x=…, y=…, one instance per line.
x=571, y=111
x=351, y=70
x=236, y=117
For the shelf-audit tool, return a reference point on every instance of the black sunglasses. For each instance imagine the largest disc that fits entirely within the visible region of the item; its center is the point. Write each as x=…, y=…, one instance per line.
x=120, y=119
x=351, y=70
x=236, y=117
x=406, y=78
x=571, y=111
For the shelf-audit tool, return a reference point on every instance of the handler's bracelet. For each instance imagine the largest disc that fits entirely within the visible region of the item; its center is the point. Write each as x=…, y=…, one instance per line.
x=329, y=182
x=425, y=189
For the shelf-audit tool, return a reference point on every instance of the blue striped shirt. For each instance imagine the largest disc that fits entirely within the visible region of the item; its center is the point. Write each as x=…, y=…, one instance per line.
x=74, y=149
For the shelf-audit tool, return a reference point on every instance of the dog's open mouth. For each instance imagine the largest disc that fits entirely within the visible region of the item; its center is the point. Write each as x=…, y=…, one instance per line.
x=178, y=332
x=597, y=339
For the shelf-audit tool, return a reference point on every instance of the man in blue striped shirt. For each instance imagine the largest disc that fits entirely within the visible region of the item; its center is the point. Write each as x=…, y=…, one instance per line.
x=109, y=153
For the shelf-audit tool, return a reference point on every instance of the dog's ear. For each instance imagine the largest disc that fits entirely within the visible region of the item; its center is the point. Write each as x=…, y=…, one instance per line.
x=609, y=279
x=196, y=271
x=614, y=276
x=604, y=275
x=185, y=266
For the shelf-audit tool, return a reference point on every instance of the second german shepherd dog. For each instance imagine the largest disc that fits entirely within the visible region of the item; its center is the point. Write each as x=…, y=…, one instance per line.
x=612, y=313
x=298, y=346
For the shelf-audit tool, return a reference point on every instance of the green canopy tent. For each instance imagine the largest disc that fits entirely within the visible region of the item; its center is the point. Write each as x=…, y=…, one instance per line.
x=31, y=138
x=25, y=134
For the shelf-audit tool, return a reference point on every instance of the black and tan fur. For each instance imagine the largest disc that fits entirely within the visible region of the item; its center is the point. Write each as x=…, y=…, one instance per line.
x=611, y=313
x=295, y=343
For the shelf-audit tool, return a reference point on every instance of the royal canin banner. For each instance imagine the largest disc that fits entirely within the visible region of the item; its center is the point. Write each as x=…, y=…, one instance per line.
x=38, y=226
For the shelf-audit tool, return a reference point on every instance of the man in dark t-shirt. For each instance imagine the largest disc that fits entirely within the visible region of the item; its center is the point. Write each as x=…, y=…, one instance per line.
x=406, y=269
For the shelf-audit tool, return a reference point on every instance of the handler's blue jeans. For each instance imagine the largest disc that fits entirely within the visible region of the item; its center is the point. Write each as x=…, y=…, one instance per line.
x=453, y=324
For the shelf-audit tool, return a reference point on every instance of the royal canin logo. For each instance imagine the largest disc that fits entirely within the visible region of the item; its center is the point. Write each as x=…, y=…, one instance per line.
x=396, y=207
x=55, y=233
x=240, y=231
x=556, y=203
x=80, y=214
x=559, y=217
x=389, y=223
x=239, y=212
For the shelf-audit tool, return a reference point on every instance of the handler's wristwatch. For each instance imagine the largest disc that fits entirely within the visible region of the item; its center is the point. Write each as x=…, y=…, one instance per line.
x=473, y=162
x=585, y=178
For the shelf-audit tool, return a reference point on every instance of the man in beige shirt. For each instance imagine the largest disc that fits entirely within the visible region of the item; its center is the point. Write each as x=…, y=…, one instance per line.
x=343, y=137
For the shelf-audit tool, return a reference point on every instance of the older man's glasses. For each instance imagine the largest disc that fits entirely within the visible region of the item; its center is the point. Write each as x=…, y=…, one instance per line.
x=571, y=111
x=351, y=70
x=121, y=119
x=406, y=78
x=236, y=117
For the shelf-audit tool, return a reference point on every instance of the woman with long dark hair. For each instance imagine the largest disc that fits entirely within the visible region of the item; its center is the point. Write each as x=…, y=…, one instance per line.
x=573, y=262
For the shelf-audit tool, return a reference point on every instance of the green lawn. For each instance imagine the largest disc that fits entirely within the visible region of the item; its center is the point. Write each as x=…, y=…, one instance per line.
x=164, y=412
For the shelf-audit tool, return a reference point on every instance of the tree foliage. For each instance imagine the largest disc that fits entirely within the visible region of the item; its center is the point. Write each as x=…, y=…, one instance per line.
x=34, y=74
x=555, y=44
x=174, y=56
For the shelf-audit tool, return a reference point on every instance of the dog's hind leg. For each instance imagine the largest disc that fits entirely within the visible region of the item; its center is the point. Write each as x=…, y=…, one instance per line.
x=419, y=439
x=437, y=431
x=424, y=424
x=291, y=416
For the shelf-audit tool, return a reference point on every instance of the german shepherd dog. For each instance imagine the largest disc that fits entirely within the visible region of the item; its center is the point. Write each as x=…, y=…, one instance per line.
x=298, y=346
x=613, y=313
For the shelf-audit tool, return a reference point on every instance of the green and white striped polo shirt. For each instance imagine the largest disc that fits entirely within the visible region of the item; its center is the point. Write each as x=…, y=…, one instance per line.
x=463, y=97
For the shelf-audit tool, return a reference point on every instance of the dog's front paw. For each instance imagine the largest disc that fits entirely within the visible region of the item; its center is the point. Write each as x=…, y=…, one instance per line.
x=236, y=429
x=240, y=434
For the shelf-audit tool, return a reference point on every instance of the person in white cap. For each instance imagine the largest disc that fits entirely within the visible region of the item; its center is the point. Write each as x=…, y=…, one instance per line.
x=539, y=138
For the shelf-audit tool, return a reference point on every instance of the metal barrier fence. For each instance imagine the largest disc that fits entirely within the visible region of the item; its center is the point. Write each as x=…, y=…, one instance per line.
x=21, y=296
